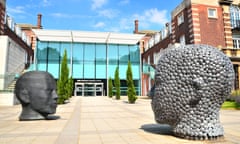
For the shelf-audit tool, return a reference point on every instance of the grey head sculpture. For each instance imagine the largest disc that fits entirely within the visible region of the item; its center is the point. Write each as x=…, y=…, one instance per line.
x=191, y=83
x=36, y=90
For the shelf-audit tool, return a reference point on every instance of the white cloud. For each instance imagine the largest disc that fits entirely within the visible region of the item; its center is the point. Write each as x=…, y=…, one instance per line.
x=109, y=13
x=60, y=15
x=46, y=3
x=124, y=24
x=98, y=3
x=69, y=16
x=124, y=2
x=152, y=16
x=99, y=25
x=16, y=10
x=156, y=16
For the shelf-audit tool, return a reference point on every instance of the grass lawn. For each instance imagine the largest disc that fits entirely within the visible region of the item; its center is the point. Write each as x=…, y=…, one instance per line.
x=230, y=105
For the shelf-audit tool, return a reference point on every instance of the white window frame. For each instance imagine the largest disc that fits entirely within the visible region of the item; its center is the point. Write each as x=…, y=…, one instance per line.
x=180, y=18
x=212, y=12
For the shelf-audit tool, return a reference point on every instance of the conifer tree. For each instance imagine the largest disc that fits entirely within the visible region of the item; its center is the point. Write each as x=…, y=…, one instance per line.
x=117, y=83
x=63, y=80
x=131, y=92
x=70, y=87
x=110, y=87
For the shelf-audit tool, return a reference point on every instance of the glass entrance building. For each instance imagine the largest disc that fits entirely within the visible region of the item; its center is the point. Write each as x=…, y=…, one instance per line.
x=92, y=58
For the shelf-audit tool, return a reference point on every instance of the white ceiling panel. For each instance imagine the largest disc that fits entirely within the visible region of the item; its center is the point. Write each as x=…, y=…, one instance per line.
x=87, y=36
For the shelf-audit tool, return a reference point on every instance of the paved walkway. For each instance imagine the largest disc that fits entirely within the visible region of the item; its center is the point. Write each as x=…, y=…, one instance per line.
x=100, y=120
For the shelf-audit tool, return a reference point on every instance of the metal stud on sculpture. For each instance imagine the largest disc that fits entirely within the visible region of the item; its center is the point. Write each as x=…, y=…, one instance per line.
x=191, y=83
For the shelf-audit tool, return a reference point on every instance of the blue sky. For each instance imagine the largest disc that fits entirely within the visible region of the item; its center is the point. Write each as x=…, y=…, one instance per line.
x=93, y=15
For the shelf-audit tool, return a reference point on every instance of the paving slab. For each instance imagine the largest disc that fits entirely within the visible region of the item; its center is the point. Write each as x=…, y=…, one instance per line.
x=101, y=120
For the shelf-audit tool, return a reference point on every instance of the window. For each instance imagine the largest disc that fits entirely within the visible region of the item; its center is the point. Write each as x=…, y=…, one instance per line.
x=235, y=16
x=182, y=40
x=89, y=61
x=155, y=57
x=212, y=13
x=180, y=19
x=101, y=61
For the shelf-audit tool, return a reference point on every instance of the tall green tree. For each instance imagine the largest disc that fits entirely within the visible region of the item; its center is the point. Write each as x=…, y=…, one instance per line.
x=110, y=87
x=62, y=83
x=70, y=87
x=131, y=92
x=117, y=83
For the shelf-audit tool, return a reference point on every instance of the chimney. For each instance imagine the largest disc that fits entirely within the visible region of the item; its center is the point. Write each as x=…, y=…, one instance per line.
x=136, y=26
x=39, y=21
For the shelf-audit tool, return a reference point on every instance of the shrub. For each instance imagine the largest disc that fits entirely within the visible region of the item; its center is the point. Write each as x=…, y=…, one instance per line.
x=231, y=105
x=235, y=96
x=117, y=83
x=70, y=87
x=63, y=82
x=110, y=87
x=131, y=89
x=237, y=99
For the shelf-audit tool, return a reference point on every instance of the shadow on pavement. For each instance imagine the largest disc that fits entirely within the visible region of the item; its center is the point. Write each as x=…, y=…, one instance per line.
x=52, y=117
x=157, y=129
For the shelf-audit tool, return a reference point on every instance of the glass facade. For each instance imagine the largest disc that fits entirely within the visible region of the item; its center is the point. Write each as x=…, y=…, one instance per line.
x=90, y=61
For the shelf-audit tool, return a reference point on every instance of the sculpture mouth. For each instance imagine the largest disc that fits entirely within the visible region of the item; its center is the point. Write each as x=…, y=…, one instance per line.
x=54, y=105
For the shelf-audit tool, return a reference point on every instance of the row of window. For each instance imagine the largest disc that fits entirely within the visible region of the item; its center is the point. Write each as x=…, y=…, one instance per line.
x=212, y=13
x=89, y=61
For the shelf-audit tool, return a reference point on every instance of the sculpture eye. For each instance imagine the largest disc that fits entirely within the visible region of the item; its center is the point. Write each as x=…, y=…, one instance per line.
x=198, y=83
x=194, y=102
x=49, y=91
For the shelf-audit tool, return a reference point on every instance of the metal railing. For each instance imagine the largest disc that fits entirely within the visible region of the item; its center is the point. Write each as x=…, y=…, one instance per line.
x=6, y=80
x=236, y=43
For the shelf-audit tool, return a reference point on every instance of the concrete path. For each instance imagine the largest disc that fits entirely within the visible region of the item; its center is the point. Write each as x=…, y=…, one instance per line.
x=100, y=120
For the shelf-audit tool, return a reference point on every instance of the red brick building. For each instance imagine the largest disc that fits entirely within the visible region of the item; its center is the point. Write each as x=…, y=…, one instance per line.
x=211, y=22
x=2, y=15
x=28, y=29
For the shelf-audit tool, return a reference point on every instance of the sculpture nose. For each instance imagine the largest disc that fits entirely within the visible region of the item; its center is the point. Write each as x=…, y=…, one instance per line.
x=54, y=95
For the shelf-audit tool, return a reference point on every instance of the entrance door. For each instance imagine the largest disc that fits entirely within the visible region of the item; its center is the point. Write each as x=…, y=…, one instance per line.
x=88, y=89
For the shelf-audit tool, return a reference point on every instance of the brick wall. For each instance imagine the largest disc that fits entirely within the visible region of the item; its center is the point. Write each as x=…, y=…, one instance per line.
x=2, y=15
x=211, y=29
x=156, y=49
x=198, y=27
x=179, y=30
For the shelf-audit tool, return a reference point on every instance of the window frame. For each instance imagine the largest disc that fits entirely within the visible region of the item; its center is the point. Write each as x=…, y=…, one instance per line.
x=214, y=14
x=180, y=18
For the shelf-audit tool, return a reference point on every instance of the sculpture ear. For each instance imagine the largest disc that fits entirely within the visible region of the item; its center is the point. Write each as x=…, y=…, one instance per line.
x=198, y=84
x=24, y=96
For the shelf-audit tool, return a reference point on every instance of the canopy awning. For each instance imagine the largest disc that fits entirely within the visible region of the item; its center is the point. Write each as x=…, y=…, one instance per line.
x=87, y=36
